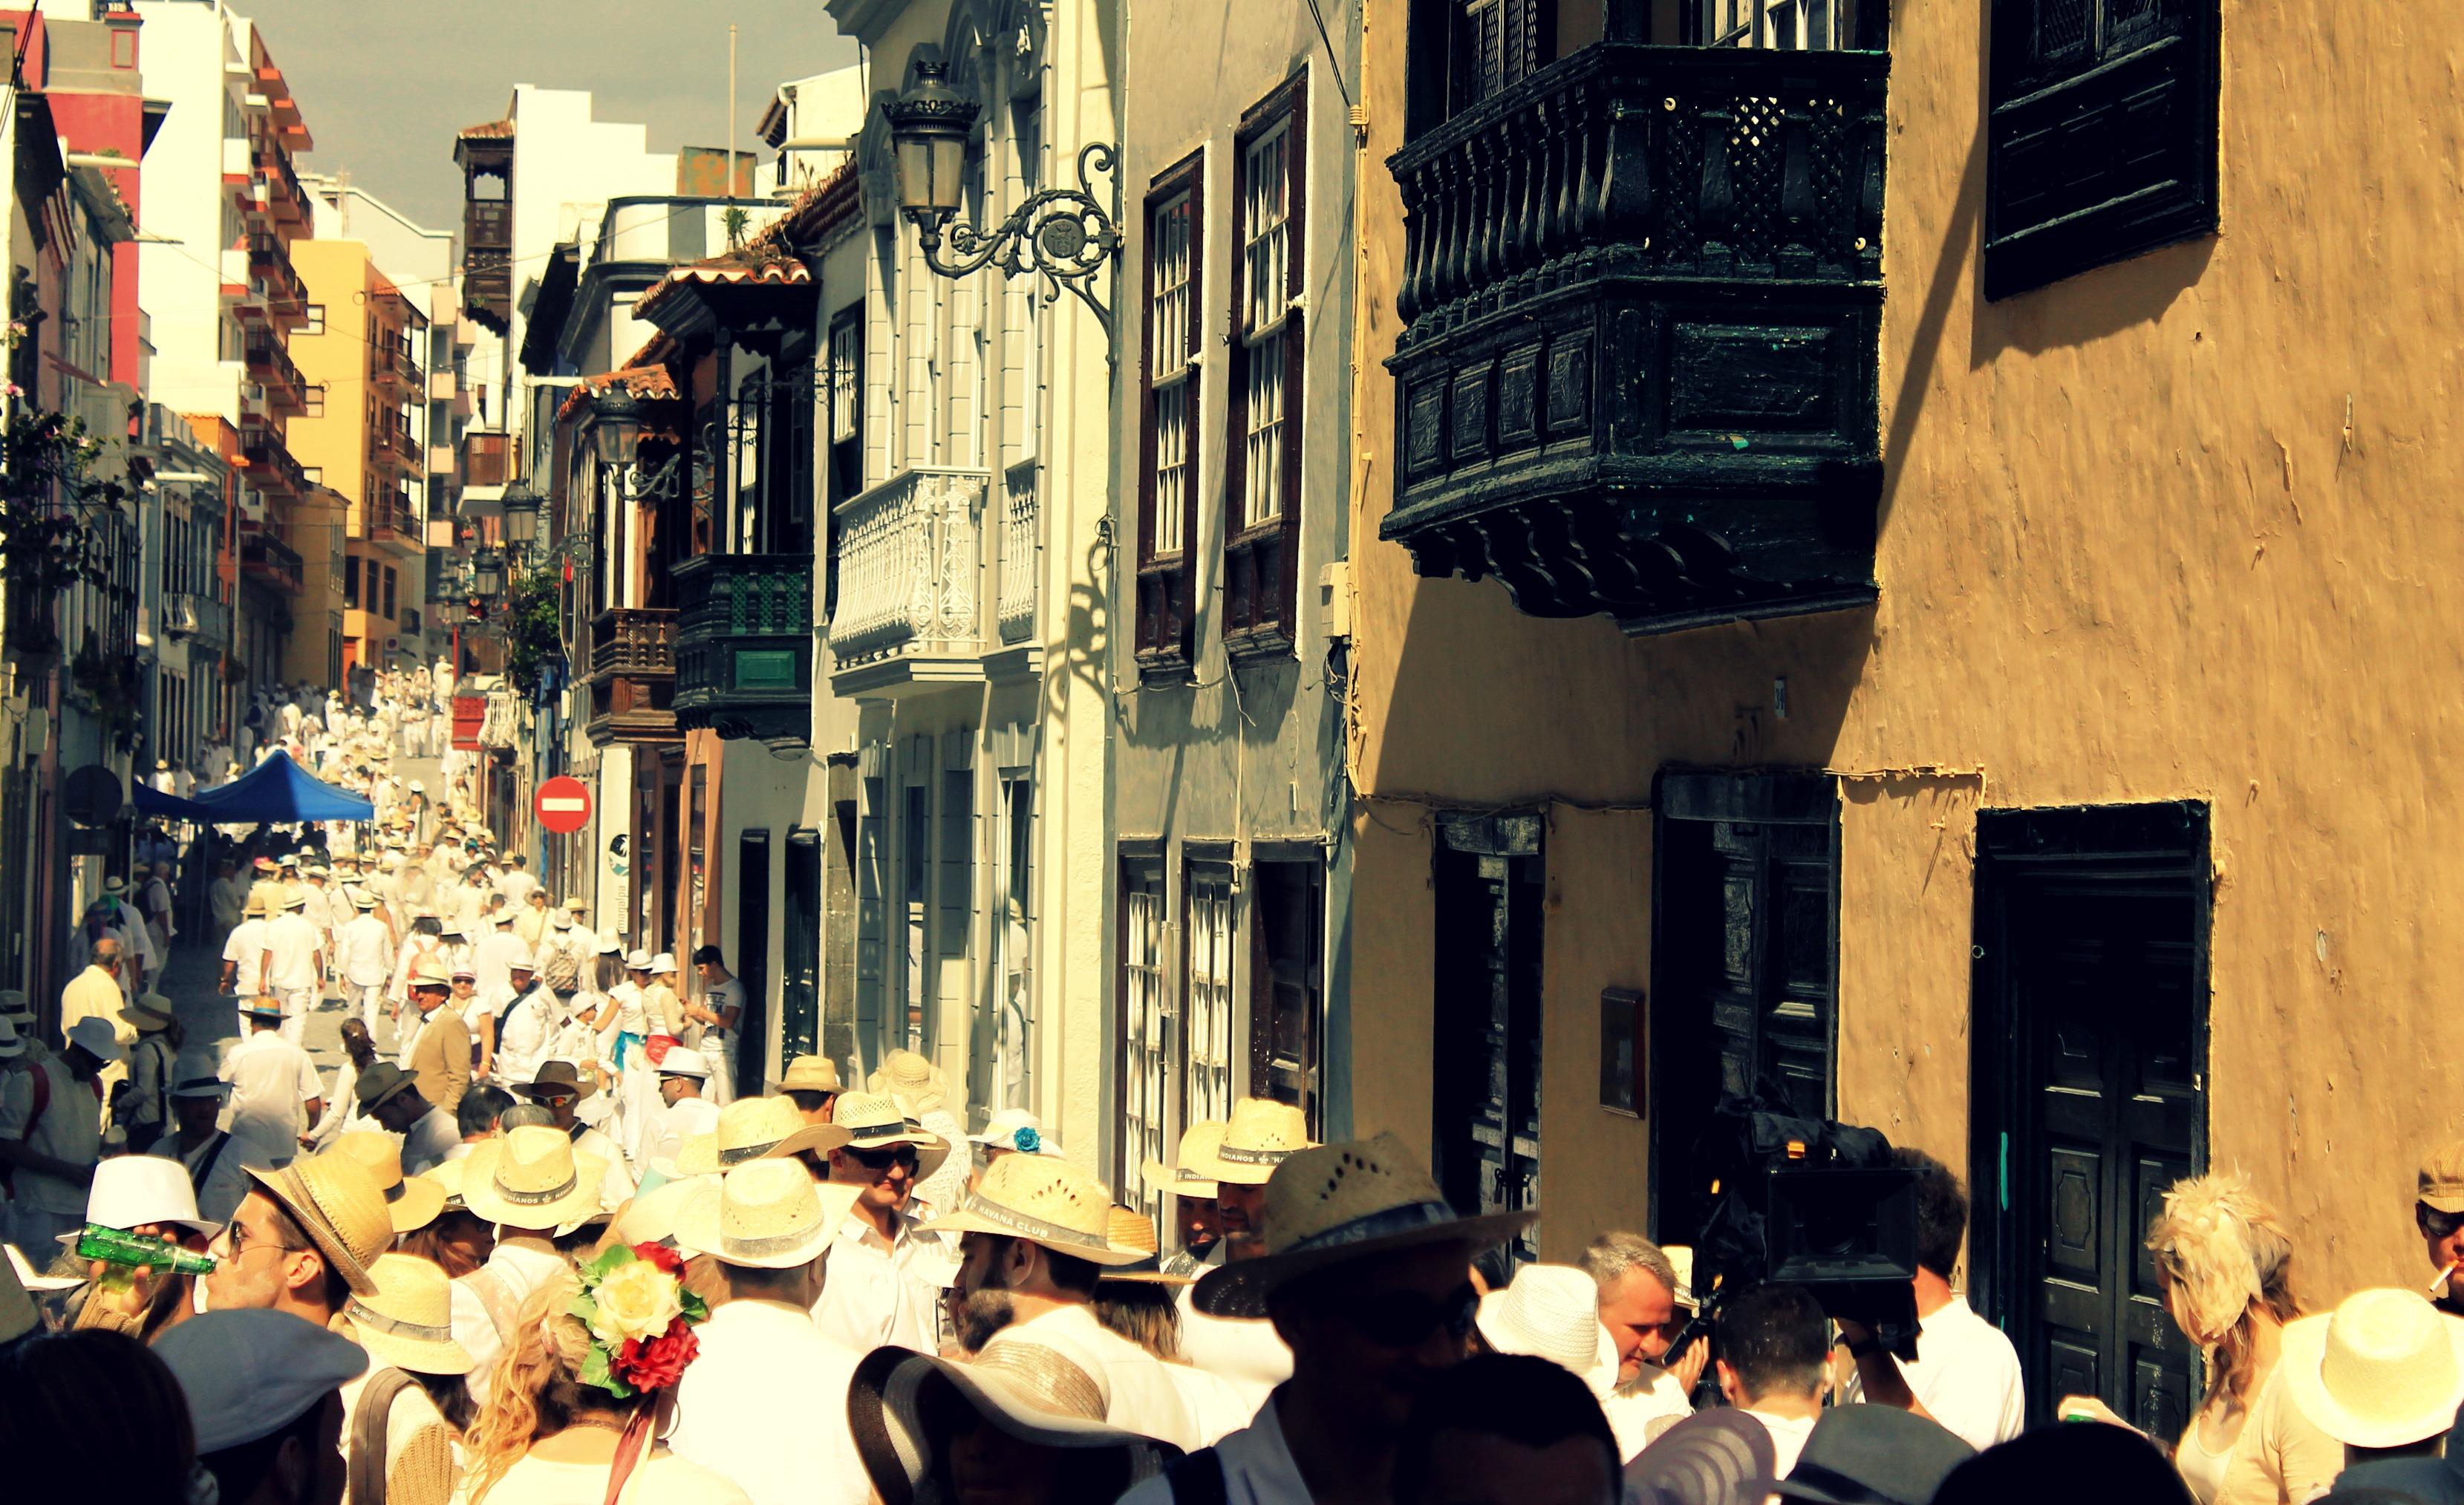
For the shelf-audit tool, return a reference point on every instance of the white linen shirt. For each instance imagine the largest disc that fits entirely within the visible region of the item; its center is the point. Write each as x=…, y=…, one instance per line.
x=364, y=946
x=291, y=945
x=1965, y=1376
x=886, y=1291
x=245, y=950
x=1257, y=1468
x=784, y=1444
x=1146, y=1397
x=272, y=1080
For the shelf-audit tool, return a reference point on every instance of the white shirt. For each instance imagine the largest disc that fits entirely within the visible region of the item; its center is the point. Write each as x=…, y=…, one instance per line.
x=885, y=1292
x=246, y=952
x=785, y=1444
x=494, y=958
x=677, y=1122
x=224, y=1186
x=1245, y=1350
x=522, y=1043
x=428, y=1141
x=1965, y=1376
x=616, y=1189
x=291, y=945
x=1787, y=1435
x=515, y=886
x=729, y=994
x=1656, y=1394
x=71, y=1130
x=1257, y=1469
x=363, y=944
x=272, y=1080
x=1145, y=1397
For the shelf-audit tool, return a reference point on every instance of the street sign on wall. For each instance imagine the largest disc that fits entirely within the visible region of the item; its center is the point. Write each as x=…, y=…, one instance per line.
x=563, y=804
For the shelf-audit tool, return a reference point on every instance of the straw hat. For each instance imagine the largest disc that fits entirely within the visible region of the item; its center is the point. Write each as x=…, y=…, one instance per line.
x=531, y=1178
x=811, y=1074
x=1134, y=1231
x=1333, y=1204
x=1553, y=1312
x=1261, y=1135
x=754, y=1129
x=874, y=1122
x=413, y=1201
x=768, y=1213
x=337, y=1201
x=1189, y=1175
x=150, y=1012
x=650, y=1217
x=447, y=1176
x=407, y=1320
x=911, y=1081
x=2383, y=1369
x=1049, y=1203
x=1031, y=1391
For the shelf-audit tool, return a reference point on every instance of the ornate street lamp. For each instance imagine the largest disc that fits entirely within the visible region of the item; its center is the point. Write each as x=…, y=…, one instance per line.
x=1067, y=235
x=487, y=575
x=616, y=434
x=521, y=519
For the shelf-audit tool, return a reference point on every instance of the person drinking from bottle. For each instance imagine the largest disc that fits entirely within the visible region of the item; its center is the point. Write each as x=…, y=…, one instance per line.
x=141, y=1206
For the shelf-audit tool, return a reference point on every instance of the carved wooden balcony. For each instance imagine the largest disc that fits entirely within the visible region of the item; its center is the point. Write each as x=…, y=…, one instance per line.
x=744, y=645
x=632, y=677
x=1641, y=294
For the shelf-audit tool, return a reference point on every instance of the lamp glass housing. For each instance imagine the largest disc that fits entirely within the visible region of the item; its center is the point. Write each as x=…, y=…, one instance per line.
x=487, y=575
x=522, y=517
x=928, y=126
x=616, y=435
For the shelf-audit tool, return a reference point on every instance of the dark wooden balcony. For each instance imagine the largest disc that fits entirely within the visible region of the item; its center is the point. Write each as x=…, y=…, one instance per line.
x=744, y=645
x=632, y=677
x=1641, y=294
x=486, y=458
x=269, y=462
x=263, y=556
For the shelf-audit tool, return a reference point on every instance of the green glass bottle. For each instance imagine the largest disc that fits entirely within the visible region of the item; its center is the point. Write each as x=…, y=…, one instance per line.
x=126, y=1252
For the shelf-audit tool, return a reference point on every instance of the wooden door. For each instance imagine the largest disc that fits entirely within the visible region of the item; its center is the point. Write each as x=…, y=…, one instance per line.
x=2091, y=1021
x=1488, y=876
x=799, y=949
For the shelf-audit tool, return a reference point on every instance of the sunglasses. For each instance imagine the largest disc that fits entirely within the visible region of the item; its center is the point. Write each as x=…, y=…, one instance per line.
x=1405, y=1320
x=2435, y=1223
x=881, y=1160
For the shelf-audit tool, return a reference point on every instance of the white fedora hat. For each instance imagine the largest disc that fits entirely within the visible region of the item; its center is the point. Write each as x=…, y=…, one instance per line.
x=132, y=1190
x=2383, y=1369
x=683, y=1061
x=1333, y=1204
x=531, y=1178
x=1015, y=1129
x=1191, y=1173
x=662, y=964
x=751, y=1129
x=94, y=1032
x=637, y=960
x=1050, y=1203
x=769, y=1213
x=1553, y=1312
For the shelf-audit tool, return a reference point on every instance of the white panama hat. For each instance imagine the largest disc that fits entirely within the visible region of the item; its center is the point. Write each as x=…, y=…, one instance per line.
x=767, y=1214
x=2383, y=1369
x=1553, y=1312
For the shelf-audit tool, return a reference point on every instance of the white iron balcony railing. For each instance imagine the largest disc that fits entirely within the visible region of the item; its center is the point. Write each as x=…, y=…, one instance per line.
x=907, y=565
x=1019, y=534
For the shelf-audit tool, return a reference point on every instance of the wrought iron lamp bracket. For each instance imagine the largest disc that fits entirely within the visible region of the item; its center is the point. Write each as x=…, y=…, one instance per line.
x=1066, y=236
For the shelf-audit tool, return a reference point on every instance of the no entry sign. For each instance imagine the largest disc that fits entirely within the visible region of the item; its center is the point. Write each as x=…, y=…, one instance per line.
x=563, y=804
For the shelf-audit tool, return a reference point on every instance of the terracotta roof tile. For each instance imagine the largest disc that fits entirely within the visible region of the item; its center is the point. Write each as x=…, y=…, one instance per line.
x=646, y=375
x=493, y=130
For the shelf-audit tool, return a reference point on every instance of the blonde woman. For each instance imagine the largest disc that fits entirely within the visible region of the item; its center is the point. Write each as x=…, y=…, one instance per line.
x=577, y=1403
x=2227, y=1269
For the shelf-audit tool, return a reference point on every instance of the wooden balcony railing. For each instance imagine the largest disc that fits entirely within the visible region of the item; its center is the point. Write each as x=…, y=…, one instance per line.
x=632, y=676
x=744, y=645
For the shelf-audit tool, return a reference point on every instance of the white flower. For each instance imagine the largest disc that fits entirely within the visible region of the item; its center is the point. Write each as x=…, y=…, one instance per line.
x=635, y=1301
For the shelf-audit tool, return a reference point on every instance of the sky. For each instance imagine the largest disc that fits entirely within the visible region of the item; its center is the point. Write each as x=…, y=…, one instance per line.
x=384, y=84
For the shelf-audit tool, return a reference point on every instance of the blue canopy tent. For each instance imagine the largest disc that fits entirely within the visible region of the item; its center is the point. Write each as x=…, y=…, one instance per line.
x=276, y=792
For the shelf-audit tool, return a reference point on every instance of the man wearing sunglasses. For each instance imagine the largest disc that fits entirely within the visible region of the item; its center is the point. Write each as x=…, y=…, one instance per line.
x=1367, y=1275
x=886, y=1274
x=2438, y=1216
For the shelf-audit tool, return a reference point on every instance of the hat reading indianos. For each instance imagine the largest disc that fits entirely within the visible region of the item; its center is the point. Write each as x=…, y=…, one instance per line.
x=1049, y=1203
x=1332, y=1203
x=1191, y=1173
x=872, y=1121
x=1261, y=1135
x=767, y=1214
x=531, y=1178
x=751, y=1129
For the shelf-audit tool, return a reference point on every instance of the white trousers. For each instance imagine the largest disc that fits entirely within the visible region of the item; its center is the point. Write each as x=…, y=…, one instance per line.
x=296, y=1003
x=719, y=1050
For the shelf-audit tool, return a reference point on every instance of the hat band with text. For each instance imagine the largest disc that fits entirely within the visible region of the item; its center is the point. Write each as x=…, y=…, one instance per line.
x=539, y=1198
x=745, y=1152
x=878, y=1130
x=1184, y=1173
x=368, y=1316
x=1032, y=1227
x=1239, y=1155
x=731, y=1247
x=1409, y=1218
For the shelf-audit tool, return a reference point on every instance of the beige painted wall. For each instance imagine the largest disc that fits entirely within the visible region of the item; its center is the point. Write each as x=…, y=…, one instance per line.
x=2181, y=528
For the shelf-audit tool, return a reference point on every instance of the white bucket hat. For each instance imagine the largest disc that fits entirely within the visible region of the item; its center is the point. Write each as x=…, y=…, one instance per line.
x=638, y=961
x=1015, y=1129
x=94, y=1032
x=768, y=1213
x=1553, y=1312
x=133, y=1190
x=2383, y=1369
x=662, y=964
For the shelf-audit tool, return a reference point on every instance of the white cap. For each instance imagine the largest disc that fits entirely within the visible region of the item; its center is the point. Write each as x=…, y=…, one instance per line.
x=95, y=1034
x=662, y=964
x=682, y=1061
x=133, y=1190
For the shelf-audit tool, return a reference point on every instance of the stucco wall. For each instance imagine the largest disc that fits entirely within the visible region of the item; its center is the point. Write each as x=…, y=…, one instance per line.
x=2177, y=528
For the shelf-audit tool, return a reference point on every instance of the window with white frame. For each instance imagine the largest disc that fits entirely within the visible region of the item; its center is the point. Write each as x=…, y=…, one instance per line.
x=1263, y=430
x=1170, y=391
x=1266, y=267
x=1145, y=1084
x=1174, y=355
x=1207, y=1088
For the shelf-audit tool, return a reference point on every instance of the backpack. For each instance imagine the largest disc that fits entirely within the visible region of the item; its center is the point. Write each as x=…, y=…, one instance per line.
x=560, y=967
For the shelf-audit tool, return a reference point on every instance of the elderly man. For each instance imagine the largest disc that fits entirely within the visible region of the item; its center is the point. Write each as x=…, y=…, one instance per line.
x=1365, y=1273
x=1642, y=1305
x=440, y=1051
x=53, y=1136
x=769, y=1226
x=94, y=993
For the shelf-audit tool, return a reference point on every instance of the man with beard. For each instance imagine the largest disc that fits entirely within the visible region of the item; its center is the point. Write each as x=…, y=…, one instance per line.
x=1642, y=1305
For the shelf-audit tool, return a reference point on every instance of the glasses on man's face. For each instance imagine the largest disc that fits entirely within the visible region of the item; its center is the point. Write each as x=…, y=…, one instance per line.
x=881, y=1160
x=238, y=1237
x=1405, y=1319
x=2435, y=1223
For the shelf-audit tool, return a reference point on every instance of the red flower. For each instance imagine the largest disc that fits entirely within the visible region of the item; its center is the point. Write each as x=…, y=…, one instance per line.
x=661, y=1255
x=660, y=1363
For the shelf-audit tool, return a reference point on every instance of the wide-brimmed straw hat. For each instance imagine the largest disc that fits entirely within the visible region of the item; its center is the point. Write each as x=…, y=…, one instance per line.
x=407, y=1320
x=1261, y=1135
x=446, y=1174
x=911, y=1081
x=413, y=1200
x=769, y=1213
x=337, y=1202
x=1134, y=1231
x=150, y=1012
x=1191, y=1173
x=900, y=1404
x=811, y=1074
x=531, y=1178
x=1338, y=1203
x=1553, y=1312
x=2383, y=1369
x=1050, y=1203
x=650, y=1217
x=751, y=1129
x=874, y=1122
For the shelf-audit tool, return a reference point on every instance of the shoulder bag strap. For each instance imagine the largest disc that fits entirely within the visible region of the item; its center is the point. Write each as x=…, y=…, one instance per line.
x=207, y=1162
x=1195, y=1478
x=368, y=1430
x=489, y=1288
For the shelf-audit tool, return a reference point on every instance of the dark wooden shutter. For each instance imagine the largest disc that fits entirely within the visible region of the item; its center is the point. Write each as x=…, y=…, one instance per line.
x=1260, y=561
x=954, y=891
x=1488, y=878
x=1165, y=621
x=1287, y=983
x=2101, y=134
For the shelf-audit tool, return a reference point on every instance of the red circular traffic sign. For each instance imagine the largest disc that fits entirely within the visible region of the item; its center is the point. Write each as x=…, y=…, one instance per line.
x=563, y=804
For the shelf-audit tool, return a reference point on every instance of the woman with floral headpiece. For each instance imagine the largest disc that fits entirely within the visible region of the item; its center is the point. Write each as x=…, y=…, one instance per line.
x=579, y=1402
x=2226, y=1266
